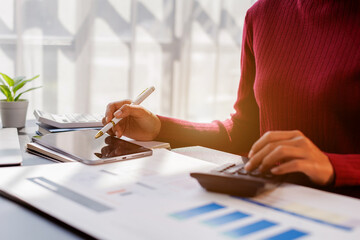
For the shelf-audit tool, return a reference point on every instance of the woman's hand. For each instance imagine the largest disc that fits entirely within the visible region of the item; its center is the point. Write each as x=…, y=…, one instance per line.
x=138, y=123
x=290, y=151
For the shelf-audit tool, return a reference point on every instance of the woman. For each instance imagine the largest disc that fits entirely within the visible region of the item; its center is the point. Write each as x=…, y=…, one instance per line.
x=298, y=106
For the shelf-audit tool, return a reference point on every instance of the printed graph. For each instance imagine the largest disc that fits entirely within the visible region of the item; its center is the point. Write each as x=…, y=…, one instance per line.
x=310, y=214
x=243, y=230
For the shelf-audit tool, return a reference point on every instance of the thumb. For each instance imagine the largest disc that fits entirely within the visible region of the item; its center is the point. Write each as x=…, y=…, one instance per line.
x=126, y=110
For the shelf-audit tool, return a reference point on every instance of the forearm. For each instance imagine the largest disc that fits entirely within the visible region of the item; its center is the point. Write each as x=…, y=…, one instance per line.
x=224, y=136
x=181, y=133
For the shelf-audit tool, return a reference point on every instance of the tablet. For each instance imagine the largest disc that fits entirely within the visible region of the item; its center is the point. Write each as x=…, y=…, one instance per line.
x=83, y=147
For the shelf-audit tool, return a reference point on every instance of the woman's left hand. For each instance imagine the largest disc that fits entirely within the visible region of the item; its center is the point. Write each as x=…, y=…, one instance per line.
x=290, y=151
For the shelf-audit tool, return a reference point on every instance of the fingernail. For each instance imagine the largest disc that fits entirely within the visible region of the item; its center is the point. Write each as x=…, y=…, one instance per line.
x=250, y=153
x=274, y=170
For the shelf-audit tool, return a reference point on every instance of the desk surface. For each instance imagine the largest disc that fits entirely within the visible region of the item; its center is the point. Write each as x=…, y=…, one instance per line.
x=19, y=222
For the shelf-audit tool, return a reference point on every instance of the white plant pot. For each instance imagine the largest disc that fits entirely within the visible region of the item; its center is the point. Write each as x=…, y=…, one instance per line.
x=13, y=114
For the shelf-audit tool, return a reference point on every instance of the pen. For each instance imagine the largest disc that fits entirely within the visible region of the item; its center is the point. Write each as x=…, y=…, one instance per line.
x=115, y=120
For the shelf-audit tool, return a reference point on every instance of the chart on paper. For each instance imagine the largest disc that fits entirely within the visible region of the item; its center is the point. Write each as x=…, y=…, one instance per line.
x=154, y=198
x=232, y=222
x=225, y=218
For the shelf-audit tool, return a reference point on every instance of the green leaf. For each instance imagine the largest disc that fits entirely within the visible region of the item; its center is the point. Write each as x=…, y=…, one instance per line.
x=8, y=79
x=18, y=96
x=18, y=86
x=3, y=91
x=22, y=83
x=6, y=91
x=33, y=78
x=17, y=80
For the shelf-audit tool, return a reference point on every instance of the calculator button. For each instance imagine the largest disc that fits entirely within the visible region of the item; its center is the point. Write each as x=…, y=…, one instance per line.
x=78, y=118
x=223, y=167
x=242, y=171
x=82, y=118
x=255, y=173
x=58, y=118
x=47, y=115
x=91, y=117
x=98, y=117
x=234, y=169
x=70, y=117
x=268, y=175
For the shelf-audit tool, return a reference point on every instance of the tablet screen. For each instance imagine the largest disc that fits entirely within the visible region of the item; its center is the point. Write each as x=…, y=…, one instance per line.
x=83, y=146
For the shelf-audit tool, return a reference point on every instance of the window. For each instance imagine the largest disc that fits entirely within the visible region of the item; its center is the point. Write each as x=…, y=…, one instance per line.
x=92, y=52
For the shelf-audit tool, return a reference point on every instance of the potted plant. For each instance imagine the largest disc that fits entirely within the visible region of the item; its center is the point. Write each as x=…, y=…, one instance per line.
x=13, y=109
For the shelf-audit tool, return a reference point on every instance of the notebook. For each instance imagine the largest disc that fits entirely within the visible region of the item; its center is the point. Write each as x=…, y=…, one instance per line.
x=10, y=153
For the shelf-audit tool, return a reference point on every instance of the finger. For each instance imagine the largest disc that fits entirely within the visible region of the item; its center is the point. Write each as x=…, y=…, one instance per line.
x=296, y=165
x=113, y=107
x=119, y=128
x=118, y=151
x=108, y=140
x=258, y=157
x=135, y=111
x=111, y=132
x=105, y=150
x=280, y=154
x=272, y=136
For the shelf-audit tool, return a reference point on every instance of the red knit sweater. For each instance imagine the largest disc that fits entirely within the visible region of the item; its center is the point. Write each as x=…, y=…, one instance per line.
x=300, y=69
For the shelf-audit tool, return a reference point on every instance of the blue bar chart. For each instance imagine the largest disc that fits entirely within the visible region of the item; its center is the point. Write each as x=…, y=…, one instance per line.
x=227, y=218
x=236, y=216
x=251, y=228
x=197, y=211
x=290, y=234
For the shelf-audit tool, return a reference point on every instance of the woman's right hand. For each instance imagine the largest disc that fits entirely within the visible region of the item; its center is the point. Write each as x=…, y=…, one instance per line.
x=138, y=123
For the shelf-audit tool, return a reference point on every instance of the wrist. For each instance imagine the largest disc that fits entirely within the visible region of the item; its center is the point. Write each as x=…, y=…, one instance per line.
x=157, y=126
x=329, y=173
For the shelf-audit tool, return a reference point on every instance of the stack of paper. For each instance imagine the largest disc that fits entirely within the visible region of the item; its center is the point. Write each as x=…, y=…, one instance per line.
x=44, y=129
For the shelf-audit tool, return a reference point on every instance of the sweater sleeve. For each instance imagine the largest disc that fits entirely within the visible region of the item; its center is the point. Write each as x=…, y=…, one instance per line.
x=236, y=134
x=346, y=167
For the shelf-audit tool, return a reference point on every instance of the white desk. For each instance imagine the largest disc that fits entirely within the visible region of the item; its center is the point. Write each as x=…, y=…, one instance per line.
x=19, y=222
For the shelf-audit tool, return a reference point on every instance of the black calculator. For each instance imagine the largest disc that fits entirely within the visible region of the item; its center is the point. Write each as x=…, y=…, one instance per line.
x=233, y=179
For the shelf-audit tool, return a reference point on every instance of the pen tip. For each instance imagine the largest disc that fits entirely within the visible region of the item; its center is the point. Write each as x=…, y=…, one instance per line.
x=99, y=134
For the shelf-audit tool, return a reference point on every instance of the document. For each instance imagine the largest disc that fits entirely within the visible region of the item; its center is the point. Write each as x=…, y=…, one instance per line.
x=148, y=144
x=155, y=198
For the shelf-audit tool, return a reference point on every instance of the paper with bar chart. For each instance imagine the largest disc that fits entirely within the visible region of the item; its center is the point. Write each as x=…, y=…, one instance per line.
x=154, y=198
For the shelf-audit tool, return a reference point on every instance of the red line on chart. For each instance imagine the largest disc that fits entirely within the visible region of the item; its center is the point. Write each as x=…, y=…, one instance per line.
x=117, y=191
